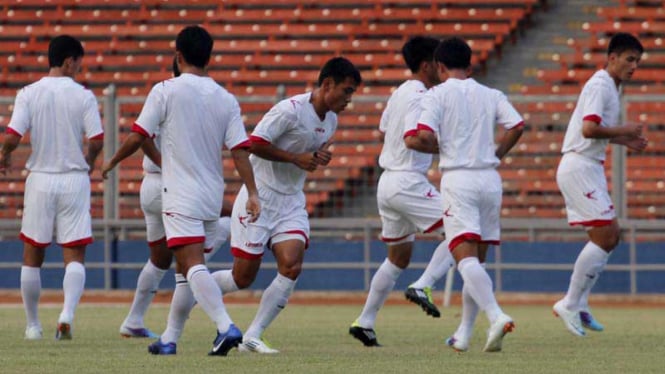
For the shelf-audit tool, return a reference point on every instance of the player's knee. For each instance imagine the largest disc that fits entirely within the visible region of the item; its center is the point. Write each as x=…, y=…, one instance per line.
x=610, y=240
x=244, y=280
x=292, y=271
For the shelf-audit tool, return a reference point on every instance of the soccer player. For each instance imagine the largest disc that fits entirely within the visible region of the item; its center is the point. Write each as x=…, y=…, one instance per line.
x=407, y=201
x=57, y=112
x=581, y=178
x=160, y=256
x=289, y=141
x=195, y=118
x=459, y=116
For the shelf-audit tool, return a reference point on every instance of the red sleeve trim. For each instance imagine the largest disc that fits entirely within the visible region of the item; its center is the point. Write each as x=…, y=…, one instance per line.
x=244, y=145
x=237, y=252
x=410, y=133
x=593, y=118
x=422, y=126
x=258, y=140
x=593, y=223
x=99, y=136
x=185, y=240
x=77, y=243
x=157, y=242
x=519, y=125
x=32, y=242
x=461, y=238
x=437, y=225
x=13, y=132
x=137, y=128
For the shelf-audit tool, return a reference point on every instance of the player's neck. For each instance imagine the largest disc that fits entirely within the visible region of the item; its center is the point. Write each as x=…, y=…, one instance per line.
x=613, y=75
x=457, y=74
x=58, y=72
x=318, y=103
x=189, y=69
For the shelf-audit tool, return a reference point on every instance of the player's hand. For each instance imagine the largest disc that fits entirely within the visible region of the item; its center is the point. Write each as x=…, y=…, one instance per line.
x=5, y=163
x=323, y=155
x=633, y=130
x=637, y=144
x=106, y=169
x=253, y=207
x=306, y=161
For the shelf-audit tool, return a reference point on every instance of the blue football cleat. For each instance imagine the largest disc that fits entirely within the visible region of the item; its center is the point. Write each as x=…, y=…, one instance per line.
x=224, y=342
x=159, y=348
x=589, y=322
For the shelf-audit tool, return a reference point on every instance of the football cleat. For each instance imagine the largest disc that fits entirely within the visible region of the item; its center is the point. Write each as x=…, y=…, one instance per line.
x=63, y=332
x=224, y=342
x=459, y=345
x=589, y=322
x=366, y=336
x=423, y=297
x=142, y=332
x=497, y=331
x=571, y=319
x=33, y=333
x=256, y=345
x=159, y=348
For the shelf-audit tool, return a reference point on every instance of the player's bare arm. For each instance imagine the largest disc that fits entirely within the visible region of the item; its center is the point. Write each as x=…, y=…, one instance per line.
x=244, y=167
x=424, y=141
x=10, y=144
x=508, y=141
x=306, y=161
x=636, y=144
x=128, y=147
x=591, y=129
x=94, y=148
x=150, y=150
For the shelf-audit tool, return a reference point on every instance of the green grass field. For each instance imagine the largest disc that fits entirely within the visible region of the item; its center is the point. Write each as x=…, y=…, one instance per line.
x=314, y=339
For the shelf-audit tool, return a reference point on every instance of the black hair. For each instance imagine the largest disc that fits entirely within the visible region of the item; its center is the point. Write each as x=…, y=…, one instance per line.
x=454, y=53
x=622, y=42
x=417, y=50
x=176, y=70
x=339, y=68
x=195, y=45
x=62, y=47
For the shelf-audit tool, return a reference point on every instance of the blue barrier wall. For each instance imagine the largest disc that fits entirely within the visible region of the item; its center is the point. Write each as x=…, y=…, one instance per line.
x=331, y=250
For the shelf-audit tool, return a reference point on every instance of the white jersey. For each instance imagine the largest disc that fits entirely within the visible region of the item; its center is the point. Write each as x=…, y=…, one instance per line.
x=599, y=102
x=403, y=106
x=462, y=114
x=148, y=165
x=291, y=125
x=195, y=118
x=58, y=112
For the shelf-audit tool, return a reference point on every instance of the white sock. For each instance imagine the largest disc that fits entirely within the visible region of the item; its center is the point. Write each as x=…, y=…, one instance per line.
x=225, y=281
x=209, y=296
x=479, y=285
x=274, y=299
x=382, y=283
x=437, y=267
x=181, y=305
x=31, y=287
x=588, y=266
x=469, y=313
x=72, y=284
x=146, y=287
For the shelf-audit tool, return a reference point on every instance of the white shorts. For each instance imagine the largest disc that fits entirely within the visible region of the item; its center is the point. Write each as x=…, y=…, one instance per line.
x=59, y=200
x=151, y=205
x=182, y=230
x=583, y=185
x=407, y=203
x=220, y=237
x=283, y=217
x=472, y=205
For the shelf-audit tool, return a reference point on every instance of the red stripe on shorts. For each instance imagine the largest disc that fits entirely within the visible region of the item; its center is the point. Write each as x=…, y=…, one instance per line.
x=76, y=243
x=237, y=252
x=32, y=242
x=459, y=239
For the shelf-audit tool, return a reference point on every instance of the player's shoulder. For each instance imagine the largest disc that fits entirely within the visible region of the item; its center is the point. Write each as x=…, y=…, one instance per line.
x=293, y=105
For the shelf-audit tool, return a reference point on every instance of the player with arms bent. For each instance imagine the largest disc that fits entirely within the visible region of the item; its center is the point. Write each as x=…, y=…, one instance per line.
x=407, y=201
x=57, y=112
x=581, y=177
x=459, y=117
x=290, y=140
x=195, y=117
